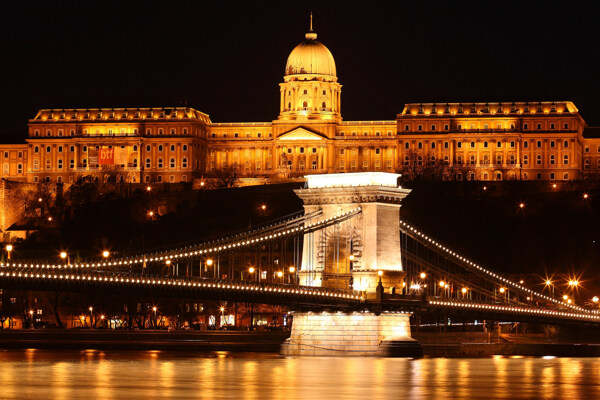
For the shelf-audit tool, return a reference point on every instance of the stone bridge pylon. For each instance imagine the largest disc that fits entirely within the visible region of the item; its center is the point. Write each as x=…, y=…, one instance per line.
x=357, y=252
x=360, y=253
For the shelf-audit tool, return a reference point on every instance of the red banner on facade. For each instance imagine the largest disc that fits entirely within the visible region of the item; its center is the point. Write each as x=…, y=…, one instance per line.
x=106, y=156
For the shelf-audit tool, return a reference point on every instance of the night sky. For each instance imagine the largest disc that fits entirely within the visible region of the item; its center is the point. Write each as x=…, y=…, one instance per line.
x=227, y=58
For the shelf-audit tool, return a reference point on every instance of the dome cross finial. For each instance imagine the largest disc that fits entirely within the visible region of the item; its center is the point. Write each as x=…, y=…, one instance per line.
x=311, y=35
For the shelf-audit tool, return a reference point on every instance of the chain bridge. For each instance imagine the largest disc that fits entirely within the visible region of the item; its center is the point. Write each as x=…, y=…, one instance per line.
x=357, y=267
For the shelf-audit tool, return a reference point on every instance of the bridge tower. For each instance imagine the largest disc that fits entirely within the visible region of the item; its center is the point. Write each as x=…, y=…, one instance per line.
x=360, y=253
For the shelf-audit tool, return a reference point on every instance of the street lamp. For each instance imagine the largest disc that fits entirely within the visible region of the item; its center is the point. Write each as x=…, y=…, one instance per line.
x=31, y=318
x=549, y=284
x=280, y=275
x=8, y=250
x=155, y=321
x=106, y=254
x=423, y=275
x=148, y=188
x=91, y=315
x=521, y=205
x=209, y=263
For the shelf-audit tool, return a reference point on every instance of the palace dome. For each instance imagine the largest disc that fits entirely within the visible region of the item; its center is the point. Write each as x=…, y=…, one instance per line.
x=310, y=57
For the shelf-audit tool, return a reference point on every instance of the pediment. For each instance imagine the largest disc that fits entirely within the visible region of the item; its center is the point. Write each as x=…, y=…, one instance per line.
x=301, y=133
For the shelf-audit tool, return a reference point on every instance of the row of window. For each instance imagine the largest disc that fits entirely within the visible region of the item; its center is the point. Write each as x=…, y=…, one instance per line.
x=237, y=135
x=459, y=145
x=486, y=109
x=19, y=154
x=147, y=179
x=110, y=131
x=84, y=163
x=6, y=169
x=365, y=133
x=113, y=114
x=84, y=149
x=433, y=127
x=485, y=160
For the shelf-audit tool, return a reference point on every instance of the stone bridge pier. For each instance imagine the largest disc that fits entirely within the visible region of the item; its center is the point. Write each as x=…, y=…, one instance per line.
x=361, y=253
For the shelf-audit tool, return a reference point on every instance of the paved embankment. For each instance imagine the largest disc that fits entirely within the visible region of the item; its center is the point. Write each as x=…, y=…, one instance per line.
x=144, y=340
x=478, y=345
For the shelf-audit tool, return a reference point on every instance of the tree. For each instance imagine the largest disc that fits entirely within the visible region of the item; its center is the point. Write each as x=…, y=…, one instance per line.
x=227, y=176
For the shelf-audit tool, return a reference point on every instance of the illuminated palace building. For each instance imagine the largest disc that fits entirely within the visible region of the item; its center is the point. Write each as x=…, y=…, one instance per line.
x=545, y=140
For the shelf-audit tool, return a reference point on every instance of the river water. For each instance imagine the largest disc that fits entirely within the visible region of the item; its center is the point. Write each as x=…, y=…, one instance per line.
x=91, y=374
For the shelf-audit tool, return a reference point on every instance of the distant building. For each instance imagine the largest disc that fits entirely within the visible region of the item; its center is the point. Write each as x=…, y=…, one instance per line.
x=453, y=141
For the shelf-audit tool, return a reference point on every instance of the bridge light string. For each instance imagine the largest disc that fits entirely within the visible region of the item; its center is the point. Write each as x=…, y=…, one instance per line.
x=523, y=310
x=169, y=255
x=154, y=281
x=491, y=273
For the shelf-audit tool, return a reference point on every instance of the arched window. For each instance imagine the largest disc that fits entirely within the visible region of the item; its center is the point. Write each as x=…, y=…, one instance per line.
x=552, y=159
x=184, y=163
x=36, y=164
x=498, y=176
x=324, y=105
x=160, y=147
x=60, y=164
x=566, y=159
x=36, y=149
x=525, y=159
x=148, y=163
x=172, y=163
x=305, y=105
x=172, y=147
x=160, y=163
x=538, y=159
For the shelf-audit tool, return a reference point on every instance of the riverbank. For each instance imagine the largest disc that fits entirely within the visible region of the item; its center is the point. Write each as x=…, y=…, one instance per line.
x=465, y=345
x=196, y=341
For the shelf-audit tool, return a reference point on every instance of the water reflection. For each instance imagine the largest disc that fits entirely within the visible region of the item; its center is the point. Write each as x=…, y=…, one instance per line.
x=159, y=375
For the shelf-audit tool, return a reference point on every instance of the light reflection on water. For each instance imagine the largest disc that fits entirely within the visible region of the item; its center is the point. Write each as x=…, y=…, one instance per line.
x=147, y=375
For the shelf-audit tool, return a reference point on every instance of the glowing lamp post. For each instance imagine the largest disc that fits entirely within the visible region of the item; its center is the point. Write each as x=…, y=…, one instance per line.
x=31, y=318
x=91, y=315
x=292, y=270
x=209, y=263
x=106, y=254
x=423, y=275
x=9, y=248
x=155, y=320
x=550, y=285
x=280, y=275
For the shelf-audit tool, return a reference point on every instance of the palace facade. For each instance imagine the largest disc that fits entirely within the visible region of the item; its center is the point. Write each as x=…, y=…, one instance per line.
x=545, y=140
